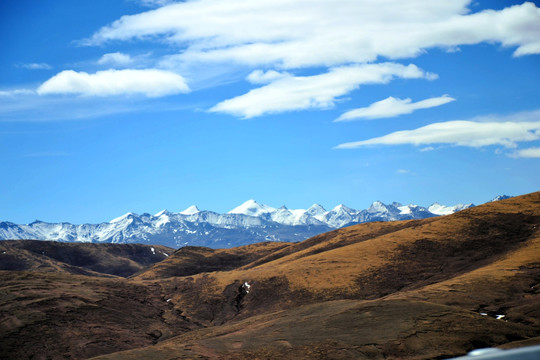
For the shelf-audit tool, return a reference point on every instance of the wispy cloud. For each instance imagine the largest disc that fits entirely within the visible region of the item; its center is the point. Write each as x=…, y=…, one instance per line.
x=154, y=3
x=148, y=82
x=528, y=153
x=116, y=58
x=35, y=66
x=463, y=133
x=207, y=40
x=289, y=93
x=347, y=31
x=16, y=92
x=259, y=34
x=392, y=107
x=262, y=77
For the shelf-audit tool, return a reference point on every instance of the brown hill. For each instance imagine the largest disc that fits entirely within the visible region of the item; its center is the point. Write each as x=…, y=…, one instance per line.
x=191, y=260
x=65, y=316
x=79, y=258
x=420, y=289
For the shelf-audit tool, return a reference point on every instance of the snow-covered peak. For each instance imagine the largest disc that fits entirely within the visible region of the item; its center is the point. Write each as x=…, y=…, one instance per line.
x=460, y=207
x=250, y=220
x=283, y=216
x=377, y=207
x=252, y=208
x=315, y=210
x=405, y=210
x=342, y=208
x=163, y=212
x=36, y=222
x=193, y=209
x=501, y=197
x=411, y=210
x=439, y=209
x=122, y=218
x=163, y=217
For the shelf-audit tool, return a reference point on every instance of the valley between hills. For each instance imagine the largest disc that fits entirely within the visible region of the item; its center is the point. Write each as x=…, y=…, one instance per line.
x=434, y=288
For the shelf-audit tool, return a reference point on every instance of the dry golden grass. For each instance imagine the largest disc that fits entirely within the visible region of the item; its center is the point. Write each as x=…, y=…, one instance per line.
x=408, y=289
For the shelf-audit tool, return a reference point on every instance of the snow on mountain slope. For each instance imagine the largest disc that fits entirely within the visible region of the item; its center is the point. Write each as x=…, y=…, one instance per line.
x=501, y=197
x=193, y=209
x=122, y=218
x=252, y=208
x=439, y=209
x=248, y=223
x=340, y=216
x=316, y=210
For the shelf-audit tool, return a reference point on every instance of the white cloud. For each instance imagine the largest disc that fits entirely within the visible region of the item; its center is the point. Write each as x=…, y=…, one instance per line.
x=528, y=153
x=463, y=133
x=391, y=107
x=34, y=108
x=148, y=82
x=116, y=58
x=318, y=91
x=324, y=33
x=155, y=3
x=211, y=40
x=11, y=93
x=261, y=77
x=36, y=66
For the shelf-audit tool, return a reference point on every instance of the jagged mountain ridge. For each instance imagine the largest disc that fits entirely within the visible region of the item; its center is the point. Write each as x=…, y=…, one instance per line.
x=248, y=223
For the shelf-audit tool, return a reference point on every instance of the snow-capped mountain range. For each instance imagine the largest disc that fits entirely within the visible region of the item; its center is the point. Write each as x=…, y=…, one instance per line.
x=248, y=223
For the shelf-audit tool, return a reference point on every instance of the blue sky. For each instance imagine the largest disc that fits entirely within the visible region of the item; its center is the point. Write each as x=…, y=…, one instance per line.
x=108, y=107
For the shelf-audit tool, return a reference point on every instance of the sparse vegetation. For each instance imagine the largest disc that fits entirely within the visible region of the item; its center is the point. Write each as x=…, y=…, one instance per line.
x=418, y=289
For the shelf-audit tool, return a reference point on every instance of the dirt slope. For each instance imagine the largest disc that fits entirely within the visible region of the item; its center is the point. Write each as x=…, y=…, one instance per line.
x=79, y=258
x=191, y=260
x=64, y=316
x=422, y=289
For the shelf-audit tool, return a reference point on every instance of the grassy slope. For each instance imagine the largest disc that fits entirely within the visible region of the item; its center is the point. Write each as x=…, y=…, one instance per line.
x=79, y=258
x=412, y=289
x=406, y=289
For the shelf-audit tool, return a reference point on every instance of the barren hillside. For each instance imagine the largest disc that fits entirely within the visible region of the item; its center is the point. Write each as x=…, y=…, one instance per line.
x=418, y=289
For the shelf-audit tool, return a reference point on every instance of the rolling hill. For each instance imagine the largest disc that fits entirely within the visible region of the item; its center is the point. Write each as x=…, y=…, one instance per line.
x=416, y=289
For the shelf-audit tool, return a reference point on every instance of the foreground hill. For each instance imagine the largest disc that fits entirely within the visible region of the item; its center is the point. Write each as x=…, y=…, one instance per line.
x=418, y=289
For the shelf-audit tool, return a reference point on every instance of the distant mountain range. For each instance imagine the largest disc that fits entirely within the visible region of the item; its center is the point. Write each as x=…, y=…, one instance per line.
x=248, y=223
